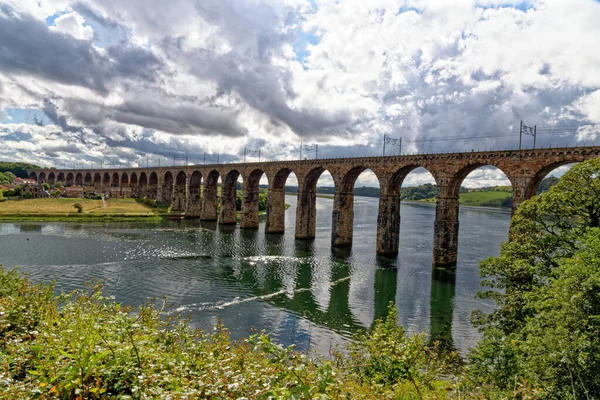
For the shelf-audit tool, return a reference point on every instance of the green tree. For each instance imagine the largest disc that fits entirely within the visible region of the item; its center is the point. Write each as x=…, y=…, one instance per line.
x=10, y=176
x=79, y=207
x=45, y=186
x=17, y=168
x=2, y=196
x=553, y=243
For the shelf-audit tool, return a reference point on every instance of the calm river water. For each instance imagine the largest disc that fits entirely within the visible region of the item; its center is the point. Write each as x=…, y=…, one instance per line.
x=303, y=292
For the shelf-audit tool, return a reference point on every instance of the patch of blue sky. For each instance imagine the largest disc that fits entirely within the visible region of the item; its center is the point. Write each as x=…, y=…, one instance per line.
x=103, y=36
x=22, y=116
x=50, y=21
x=406, y=8
x=520, y=5
x=301, y=47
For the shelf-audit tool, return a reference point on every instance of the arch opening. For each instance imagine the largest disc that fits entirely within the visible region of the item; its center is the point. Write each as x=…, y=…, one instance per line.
x=115, y=180
x=546, y=178
x=51, y=178
x=70, y=178
x=33, y=176
x=106, y=179
x=88, y=179
x=79, y=179
x=180, y=192
x=167, y=188
x=42, y=177
x=60, y=178
x=97, y=179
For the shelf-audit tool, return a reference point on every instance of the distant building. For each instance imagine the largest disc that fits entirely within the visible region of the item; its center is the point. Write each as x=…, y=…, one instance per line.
x=31, y=191
x=21, y=181
x=74, y=192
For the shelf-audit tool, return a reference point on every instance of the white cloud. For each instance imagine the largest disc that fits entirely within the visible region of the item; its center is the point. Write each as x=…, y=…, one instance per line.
x=73, y=24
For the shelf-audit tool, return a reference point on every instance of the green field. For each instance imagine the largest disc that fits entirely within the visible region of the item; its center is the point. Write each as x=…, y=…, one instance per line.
x=63, y=209
x=479, y=198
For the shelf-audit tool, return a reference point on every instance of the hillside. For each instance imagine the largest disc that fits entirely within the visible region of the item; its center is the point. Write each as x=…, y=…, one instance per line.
x=17, y=168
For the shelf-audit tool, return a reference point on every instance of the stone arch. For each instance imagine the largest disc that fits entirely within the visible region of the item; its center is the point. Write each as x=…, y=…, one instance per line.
x=60, y=177
x=133, y=179
x=88, y=179
x=115, y=180
x=70, y=178
x=209, y=197
x=106, y=179
x=349, y=179
x=534, y=183
x=124, y=179
x=194, y=206
x=153, y=180
x=180, y=192
x=280, y=178
x=153, y=185
x=456, y=181
x=311, y=178
x=388, y=216
x=42, y=177
x=79, y=179
x=395, y=182
x=167, y=189
x=143, y=185
x=33, y=176
x=51, y=178
x=97, y=179
x=143, y=179
x=228, y=197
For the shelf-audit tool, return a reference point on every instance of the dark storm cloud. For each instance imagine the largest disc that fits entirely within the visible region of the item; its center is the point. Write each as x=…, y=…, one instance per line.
x=262, y=86
x=29, y=47
x=158, y=111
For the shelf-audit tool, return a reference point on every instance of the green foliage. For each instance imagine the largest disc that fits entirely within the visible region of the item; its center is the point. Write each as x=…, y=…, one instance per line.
x=2, y=196
x=545, y=332
x=262, y=200
x=19, y=169
x=84, y=345
x=421, y=192
x=7, y=177
x=79, y=207
x=46, y=186
x=386, y=355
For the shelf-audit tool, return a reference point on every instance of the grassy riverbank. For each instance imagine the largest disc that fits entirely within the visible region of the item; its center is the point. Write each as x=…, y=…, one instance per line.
x=63, y=209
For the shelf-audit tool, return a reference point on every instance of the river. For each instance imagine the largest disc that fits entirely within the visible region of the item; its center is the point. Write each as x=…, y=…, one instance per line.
x=302, y=292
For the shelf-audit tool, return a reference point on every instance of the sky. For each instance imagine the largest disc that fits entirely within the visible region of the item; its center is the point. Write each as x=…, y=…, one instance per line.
x=135, y=81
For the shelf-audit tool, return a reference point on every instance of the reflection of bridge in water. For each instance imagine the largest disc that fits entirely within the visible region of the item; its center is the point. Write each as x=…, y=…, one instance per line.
x=268, y=284
x=193, y=189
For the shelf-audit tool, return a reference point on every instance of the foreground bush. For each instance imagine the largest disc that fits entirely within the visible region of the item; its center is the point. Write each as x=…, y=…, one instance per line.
x=83, y=345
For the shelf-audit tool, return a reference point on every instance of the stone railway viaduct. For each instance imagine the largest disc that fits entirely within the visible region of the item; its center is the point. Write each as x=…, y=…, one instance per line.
x=193, y=189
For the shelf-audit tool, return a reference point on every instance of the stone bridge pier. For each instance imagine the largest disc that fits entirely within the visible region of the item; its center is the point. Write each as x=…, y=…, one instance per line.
x=209, y=198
